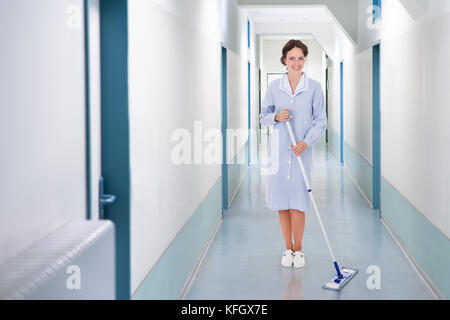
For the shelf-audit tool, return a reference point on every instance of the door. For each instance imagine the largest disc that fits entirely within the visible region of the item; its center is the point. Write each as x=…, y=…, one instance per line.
x=342, y=114
x=376, y=127
x=259, y=108
x=115, y=137
x=326, y=98
x=249, y=102
x=224, y=129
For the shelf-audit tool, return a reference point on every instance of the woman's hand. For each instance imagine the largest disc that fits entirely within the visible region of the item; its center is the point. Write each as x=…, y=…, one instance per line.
x=299, y=148
x=283, y=116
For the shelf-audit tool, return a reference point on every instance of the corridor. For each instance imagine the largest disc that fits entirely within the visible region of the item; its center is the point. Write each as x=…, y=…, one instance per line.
x=134, y=134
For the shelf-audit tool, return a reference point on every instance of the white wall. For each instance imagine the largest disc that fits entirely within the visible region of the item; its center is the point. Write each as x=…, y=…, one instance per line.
x=255, y=64
x=237, y=103
x=415, y=134
x=315, y=65
x=358, y=103
x=42, y=121
x=334, y=96
x=415, y=112
x=237, y=62
x=270, y=60
x=175, y=62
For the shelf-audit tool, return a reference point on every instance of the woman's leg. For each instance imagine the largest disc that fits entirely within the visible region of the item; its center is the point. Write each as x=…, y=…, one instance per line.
x=285, y=222
x=298, y=228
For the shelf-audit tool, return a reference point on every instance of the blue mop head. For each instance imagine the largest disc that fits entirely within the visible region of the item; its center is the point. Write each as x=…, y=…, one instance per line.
x=338, y=284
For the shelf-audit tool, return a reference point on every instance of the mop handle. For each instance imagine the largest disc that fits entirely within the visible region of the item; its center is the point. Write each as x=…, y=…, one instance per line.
x=311, y=196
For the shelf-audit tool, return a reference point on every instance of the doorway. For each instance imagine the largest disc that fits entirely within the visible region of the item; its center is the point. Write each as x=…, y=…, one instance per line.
x=376, y=127
x=224, y=125
x=249, y=87
x=342, y=113
x=326, y=98
x=115, y=136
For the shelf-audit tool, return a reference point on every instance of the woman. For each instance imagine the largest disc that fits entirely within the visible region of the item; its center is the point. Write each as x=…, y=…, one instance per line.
x=298, y=99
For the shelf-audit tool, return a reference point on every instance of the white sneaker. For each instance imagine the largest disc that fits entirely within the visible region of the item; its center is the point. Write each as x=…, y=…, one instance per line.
x=299, y=259
x=287, y=259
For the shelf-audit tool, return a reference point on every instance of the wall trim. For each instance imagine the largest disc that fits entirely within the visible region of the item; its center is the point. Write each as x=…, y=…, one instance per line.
x=333, y=151
x=425, y=243
x=197, y=236
x=242, y=177
x=190, y=280
x=115, y=132
x=416, y=266
x=178, y=233
x=413, y=206
x=238, y=186
x=355, y=182
x=349, y=173
x=360, y=170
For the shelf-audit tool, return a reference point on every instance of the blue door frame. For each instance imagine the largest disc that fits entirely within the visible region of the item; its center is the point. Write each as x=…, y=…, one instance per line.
x=88, y=113
x=249, y=110
x=259, y=96
x=376, y=127
x=342, y=114
x=326, y=100
x=115, y=135
x=224, y=126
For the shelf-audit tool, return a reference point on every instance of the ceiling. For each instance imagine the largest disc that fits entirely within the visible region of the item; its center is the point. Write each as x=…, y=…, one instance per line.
x=290, y=15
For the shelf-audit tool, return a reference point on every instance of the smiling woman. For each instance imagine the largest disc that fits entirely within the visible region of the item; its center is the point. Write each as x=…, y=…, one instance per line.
x=298, y=99
x=291, y=45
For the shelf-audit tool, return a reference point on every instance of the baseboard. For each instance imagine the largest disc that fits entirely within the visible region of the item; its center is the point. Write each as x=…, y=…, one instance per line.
x=238, y=187
x=193, y=275
x=355, y=182
x=421, y=273
x=167, y=277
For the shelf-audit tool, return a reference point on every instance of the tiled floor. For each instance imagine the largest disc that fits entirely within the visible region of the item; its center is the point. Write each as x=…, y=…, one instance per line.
x=243, y=262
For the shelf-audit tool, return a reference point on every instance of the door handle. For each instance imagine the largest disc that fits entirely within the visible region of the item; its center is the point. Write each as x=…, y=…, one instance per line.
x=107, y=199
x=104, y=199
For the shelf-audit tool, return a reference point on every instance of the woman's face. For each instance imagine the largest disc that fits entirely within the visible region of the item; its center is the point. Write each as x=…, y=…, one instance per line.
x=295, y=60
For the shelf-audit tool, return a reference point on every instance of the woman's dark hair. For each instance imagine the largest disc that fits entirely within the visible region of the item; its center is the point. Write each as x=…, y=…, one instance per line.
x=291, y=44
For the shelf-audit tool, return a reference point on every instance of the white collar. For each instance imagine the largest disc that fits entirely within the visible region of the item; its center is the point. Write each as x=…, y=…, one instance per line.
x=286, y=86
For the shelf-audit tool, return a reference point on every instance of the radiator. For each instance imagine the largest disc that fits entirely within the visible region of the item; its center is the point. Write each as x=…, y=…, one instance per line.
x=75, y=262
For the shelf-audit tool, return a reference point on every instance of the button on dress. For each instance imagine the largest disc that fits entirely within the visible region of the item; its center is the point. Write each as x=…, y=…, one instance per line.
x=286, y=188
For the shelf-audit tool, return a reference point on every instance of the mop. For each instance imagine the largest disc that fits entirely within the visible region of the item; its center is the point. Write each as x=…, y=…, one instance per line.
x=342, y=277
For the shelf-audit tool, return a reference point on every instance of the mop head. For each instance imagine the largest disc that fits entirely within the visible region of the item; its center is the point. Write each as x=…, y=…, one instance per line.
x=338, y=284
